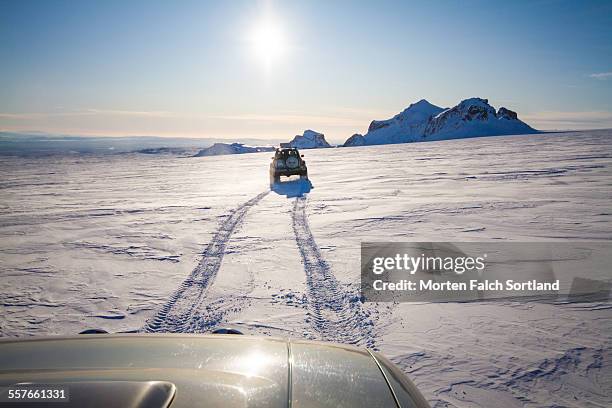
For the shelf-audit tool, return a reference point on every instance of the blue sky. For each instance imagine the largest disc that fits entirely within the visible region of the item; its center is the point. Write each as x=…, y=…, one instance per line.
x=205, y=68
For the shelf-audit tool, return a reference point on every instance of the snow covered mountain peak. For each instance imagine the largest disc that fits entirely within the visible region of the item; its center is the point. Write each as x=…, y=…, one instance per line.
x=355, y=140
x=474, y=117
x=470, y=109
x=412, y=115
x=422, y=121
x=504, y=113
x=220, y=149
x=421, y=106
x=309, y=140
x=406, y=126
x=311, y=134
x=475, y=102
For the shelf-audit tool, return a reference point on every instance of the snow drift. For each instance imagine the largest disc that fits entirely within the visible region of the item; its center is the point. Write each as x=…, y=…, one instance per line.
x=423, y=121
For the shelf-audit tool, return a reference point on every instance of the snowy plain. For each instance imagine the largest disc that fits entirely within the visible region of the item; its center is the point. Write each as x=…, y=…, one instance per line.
x=161, y=243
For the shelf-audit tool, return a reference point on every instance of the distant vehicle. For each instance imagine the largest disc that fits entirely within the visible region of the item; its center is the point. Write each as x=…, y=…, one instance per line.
x=287, y=162
x=183, y=370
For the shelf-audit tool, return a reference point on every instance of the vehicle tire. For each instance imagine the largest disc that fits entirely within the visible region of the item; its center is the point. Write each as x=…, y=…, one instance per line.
x=292, y=162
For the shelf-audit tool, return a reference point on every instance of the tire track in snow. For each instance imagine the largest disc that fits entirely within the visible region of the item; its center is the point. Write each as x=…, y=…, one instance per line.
x=183, y=311
x=335, y=313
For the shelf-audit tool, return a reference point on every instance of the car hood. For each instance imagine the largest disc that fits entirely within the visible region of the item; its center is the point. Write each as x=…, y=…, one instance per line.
x=206, y=370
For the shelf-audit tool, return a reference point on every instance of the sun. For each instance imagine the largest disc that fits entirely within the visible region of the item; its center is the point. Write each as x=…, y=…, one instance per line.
x=268, y=42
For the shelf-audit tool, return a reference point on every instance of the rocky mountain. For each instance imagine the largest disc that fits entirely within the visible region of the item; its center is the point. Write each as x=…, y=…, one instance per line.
x=309, y=140
x=219, y=149
x=475, y=117
x=423, y=121
x=355, y=140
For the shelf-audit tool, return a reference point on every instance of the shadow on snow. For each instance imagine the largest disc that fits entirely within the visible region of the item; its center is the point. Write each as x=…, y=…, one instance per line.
x=292, y=188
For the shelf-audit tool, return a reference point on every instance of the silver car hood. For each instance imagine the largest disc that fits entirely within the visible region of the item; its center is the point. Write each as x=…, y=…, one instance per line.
x=208, y=370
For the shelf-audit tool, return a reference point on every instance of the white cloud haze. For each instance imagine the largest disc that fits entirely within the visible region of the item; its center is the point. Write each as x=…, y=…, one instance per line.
x=601, y=75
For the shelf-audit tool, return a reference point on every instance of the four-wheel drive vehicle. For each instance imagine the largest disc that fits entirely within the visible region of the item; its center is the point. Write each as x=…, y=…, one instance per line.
x=172, y=370
x=287, y=162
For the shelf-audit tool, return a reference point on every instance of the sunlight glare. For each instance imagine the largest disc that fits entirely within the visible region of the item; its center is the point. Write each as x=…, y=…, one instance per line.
x=268, y=42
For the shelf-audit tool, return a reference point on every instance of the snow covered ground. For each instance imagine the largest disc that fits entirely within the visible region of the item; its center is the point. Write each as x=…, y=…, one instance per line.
x=160, y=243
